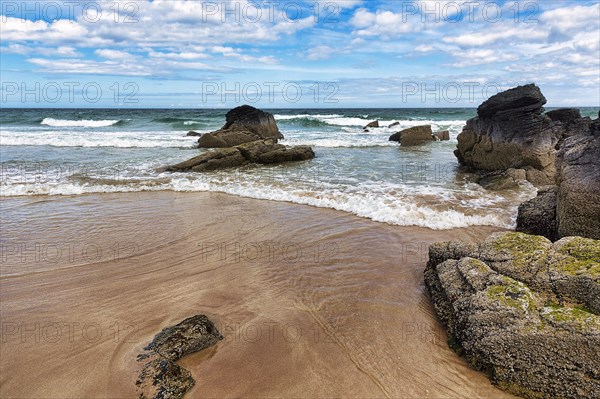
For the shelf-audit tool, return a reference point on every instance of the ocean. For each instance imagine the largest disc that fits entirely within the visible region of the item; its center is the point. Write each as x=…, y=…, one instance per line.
x=48, y=152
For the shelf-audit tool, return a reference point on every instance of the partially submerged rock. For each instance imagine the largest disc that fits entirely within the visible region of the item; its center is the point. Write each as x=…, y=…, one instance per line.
x=161, y=377
x=260, y=152
x=192, y=133
x=413, y=135
x=394, y=124
x=243, y=124
x=512, y=178
x=443, y=135
x=371, y=124
x=510, y=131
x=524, y=310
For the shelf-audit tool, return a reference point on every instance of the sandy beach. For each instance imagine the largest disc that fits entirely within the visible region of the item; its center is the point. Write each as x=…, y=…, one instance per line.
x=312, y=302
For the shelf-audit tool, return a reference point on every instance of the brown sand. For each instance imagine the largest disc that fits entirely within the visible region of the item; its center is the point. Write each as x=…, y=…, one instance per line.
x=333, y=306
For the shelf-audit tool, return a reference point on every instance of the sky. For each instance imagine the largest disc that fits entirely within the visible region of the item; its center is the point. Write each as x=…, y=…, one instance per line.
x=295, y=54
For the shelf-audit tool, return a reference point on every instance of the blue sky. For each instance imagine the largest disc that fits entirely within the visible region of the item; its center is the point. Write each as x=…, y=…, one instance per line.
x=324, y=54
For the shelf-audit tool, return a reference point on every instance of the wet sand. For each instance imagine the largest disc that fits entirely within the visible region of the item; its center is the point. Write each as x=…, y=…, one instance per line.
x=313, y=303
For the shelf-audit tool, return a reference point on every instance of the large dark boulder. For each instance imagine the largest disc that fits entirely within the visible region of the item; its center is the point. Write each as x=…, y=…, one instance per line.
x=413, y=135
x=510, y=131
x=572, y=206
x=523, y=310
x=243, y=124
x=259, y=152
x=564, y=115
x=578, y=180
x=538, y=215
x=520, y=97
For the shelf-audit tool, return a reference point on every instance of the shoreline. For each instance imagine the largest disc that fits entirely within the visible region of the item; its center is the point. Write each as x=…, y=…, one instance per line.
x=342, y=311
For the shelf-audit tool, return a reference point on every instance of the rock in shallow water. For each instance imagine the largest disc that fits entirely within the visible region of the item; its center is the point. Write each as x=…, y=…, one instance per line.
x=413, y=135
x=243, y=124
x=161, y=377
x=260, y=152
x=510, y=131
x=524, y=310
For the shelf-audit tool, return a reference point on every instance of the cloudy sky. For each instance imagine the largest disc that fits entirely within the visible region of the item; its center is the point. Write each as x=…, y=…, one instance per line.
x=293, y=54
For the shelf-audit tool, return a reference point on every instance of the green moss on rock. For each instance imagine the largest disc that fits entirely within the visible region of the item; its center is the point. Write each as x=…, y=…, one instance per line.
x=524, y=249
x=573, y=317
x=582, y=255
x=512, y=293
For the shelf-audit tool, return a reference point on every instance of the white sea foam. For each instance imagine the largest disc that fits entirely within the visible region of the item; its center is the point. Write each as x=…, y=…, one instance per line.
x=78, y=123
x=309, y=116
x=402, y=206
x=346, y=142
x=104, y=139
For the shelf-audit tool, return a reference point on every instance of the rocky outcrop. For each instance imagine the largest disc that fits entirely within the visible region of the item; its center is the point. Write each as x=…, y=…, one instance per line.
x=497, y=181
x=444, y=135
x=413, y=135
x=538, y=215
x=578, y=183
x=161, y=377
x=576, y=200
x=243, y=124
x=371, y=124
x=510, y=131
x=259, y=152
x=524, y=310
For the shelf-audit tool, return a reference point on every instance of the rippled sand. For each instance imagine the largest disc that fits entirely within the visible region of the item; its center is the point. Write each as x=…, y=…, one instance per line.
x=313, y=303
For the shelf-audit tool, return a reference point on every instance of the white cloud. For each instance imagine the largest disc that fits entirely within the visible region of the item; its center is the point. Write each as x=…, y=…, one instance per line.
x=113, y=54
x=482, y=56
x=381, y=23
x=320, y=53
x=424, y=48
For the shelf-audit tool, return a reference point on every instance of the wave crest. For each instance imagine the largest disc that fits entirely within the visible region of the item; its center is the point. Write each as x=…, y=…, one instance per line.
x=79, y=123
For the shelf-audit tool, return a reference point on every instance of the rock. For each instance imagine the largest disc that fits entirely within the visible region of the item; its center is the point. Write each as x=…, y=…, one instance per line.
x=413, y=136
x=213, y=160
x=286, y=154
x=394, y=124
x=510, y=131
x=371, y=124
x=261, y=152
x=509, y=306
x=496, y=181
x=538, y=215
x=575, y=198
x=191, y=335
x=520, y=97
x=578, y=180
x=395, y=137
x=161, y=377
x=564, y=115
x=192, y=133
x=209, y=140
x=444, y=135
x=243, y=124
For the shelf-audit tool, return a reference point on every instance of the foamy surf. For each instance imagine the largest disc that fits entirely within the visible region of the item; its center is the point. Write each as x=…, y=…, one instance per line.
x=78, y=123
x=434, y=207
x=87, y=139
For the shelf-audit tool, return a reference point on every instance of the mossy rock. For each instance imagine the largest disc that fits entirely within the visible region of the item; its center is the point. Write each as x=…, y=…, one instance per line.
x=513, y=293
x=523, y=249
x=576, y=318
x=580, y=256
